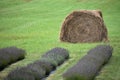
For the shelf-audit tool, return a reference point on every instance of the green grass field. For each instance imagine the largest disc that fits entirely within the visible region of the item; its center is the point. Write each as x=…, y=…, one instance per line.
x=34, y=25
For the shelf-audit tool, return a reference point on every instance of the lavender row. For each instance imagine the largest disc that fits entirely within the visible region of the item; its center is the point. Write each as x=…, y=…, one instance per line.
x=41, y=68
x=88, y=67
x=10, y=55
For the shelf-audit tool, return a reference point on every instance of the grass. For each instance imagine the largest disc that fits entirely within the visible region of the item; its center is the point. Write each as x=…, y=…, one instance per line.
x=34, y=25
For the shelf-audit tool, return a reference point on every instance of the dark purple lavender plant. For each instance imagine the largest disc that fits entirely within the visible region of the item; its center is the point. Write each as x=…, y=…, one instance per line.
x=88, y=66
x=41, y=68
x=56, y=56
x=10, y=55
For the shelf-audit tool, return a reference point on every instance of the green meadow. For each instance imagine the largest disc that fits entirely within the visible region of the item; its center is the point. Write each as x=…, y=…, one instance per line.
x=34, y=25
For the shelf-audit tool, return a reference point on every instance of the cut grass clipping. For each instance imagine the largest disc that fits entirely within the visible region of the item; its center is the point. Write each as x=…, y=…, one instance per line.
x=88, y=67
x=84, y=26
x=10, y=55
x=41, y=68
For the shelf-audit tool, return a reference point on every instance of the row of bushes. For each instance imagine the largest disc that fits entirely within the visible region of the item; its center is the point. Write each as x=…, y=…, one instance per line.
x=41, y=68
x=10, y=55
x=88, y=67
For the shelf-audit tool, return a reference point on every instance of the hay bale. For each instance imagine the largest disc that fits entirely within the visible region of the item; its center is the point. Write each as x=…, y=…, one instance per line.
x=84, y=26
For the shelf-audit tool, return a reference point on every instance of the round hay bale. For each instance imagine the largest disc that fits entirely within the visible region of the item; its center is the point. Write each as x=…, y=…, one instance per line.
x=84, y=26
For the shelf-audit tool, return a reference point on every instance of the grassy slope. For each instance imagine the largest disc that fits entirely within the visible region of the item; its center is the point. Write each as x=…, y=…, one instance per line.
x=35, y=25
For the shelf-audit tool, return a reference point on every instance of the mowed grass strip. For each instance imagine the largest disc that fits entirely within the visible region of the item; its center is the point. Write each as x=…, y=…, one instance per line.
x=35, y=27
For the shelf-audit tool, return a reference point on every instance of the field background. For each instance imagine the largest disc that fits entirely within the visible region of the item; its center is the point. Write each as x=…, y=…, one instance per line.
x=34, y=25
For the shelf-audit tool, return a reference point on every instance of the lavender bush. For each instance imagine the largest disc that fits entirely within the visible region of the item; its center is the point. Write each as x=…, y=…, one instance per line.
x=10, y=55
x=88, y=66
